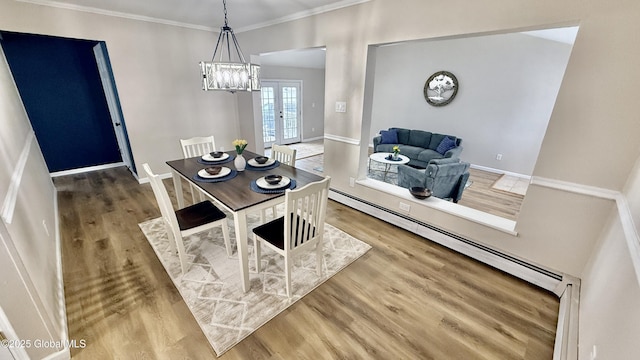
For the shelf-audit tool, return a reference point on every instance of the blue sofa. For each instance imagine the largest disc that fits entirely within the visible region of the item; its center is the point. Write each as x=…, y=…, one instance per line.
x=418, y=145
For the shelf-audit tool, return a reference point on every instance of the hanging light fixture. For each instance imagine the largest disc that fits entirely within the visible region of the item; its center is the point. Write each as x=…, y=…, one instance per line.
x=225, y=74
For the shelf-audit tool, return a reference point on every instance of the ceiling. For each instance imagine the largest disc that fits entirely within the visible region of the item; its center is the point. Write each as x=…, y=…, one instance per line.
x=242, y=15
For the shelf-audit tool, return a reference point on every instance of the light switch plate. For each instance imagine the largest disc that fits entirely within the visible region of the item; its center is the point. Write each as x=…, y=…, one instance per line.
x=341, y=106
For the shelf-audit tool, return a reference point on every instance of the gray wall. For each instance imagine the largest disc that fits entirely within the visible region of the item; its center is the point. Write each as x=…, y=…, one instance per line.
x=312, y=92
x=508, y=86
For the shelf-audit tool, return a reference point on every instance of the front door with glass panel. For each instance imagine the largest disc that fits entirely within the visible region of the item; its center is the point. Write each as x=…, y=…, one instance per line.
x=280, y=112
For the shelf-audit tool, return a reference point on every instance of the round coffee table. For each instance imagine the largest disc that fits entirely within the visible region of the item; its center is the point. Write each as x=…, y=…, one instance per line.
x=381, y=157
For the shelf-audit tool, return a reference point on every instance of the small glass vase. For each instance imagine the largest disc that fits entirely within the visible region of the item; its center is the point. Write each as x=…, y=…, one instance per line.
x=240, y=162
x=394, y=156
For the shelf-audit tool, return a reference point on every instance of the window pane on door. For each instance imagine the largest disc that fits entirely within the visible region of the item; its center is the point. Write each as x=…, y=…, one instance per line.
x=290, y=112
x=268, y=115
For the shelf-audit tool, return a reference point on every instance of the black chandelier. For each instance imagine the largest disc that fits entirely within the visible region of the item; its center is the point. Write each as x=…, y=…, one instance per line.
x=231, y=72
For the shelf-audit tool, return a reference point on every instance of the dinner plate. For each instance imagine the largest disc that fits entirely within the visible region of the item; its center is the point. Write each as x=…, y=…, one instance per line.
x=223, y=172
x=254, y=163
x=263, y=184
x=208, y=157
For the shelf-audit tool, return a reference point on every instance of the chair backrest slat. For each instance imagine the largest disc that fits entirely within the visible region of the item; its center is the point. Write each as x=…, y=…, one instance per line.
x=164, y=202
x=197, y=146
x=305, y=211
x=284, y=154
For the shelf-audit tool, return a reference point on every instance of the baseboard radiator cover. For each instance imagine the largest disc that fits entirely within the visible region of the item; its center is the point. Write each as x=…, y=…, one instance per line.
x=567, y=288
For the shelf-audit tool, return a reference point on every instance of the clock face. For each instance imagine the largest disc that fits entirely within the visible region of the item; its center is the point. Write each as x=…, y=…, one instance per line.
x=440, y=88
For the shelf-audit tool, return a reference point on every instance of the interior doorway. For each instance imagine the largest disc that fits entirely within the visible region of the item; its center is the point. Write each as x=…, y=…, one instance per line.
x=281, y=112
x=65, y=100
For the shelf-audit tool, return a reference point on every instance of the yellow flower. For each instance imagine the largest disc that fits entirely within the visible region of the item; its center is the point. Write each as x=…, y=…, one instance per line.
x=396, y=149
x=239, y=144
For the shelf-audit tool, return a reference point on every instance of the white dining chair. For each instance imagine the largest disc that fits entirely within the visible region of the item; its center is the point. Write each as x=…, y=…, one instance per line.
x=187, y=221
x=300, y=229
x=284, y=154
x=197, y=146
x=287, y=156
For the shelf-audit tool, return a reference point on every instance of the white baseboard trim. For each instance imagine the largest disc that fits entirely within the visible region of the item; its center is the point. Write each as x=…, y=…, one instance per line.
x=86, y=169
x=498, y=171
x=630, y=232
x=343, y=139
x=312, y=139
x=62, y=307
x=566, y=344
x=575, y=188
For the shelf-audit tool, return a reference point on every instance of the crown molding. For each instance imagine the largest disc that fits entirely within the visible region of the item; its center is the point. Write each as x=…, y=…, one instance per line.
x=93, y=10
x=296, y=16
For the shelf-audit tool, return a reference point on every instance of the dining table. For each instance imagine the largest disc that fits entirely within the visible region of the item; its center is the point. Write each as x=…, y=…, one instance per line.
x=236, y=193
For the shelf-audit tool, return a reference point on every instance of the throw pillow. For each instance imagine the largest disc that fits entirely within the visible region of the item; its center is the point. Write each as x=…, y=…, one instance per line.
x=446, y=144
x=389, y=137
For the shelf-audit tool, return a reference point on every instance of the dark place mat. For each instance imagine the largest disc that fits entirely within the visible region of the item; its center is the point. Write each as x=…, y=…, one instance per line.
x=263, y=168
x=229, y=159
x=256, y=188
x=231, y=175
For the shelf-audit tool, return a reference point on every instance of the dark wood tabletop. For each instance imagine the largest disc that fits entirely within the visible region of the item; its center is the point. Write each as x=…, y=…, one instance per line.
x=236, y=193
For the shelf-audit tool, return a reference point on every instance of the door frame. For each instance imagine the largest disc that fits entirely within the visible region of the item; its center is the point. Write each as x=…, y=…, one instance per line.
x=113, y=103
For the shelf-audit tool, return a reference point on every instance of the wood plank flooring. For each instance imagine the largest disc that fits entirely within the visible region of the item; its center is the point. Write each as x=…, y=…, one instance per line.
x=407, y=298
x=481, y=196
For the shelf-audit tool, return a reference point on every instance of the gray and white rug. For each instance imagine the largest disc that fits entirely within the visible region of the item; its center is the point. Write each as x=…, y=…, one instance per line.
x=377, y=171
x=211, y=288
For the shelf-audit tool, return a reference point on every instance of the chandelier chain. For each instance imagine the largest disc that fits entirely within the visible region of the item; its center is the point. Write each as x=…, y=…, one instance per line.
x=224, y=5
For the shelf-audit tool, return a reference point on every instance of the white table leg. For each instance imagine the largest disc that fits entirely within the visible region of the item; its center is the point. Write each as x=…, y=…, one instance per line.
x=240, y=222
x=177, y=186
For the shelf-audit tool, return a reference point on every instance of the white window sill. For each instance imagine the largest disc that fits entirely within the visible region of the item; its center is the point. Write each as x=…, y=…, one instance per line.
x=492, y=221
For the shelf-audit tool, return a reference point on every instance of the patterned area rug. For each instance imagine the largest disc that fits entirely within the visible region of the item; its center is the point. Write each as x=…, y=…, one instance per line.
x=376, y=171
x=211, y=288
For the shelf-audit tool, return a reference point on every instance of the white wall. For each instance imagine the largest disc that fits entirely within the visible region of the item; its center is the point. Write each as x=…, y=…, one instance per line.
x=312, y=92
x=609, y=311
x=609, y=299
x=507, y=88
x=31, y=281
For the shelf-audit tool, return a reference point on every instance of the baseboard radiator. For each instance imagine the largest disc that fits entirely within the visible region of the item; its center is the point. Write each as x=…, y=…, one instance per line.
x=565, y=287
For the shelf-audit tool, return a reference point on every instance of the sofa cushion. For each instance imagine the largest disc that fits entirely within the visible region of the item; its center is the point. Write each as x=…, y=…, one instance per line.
x=446, y=144
x=419, y=138
x=389, y=136
x=426, y=155
x=403, y=135
x=435, y=141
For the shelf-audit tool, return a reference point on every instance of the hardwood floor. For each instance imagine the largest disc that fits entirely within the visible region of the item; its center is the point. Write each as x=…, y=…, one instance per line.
x=481, y=196
x=407, y=298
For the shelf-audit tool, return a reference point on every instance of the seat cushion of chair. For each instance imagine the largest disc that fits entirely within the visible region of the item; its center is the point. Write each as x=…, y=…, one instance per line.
x=198, y=214
x=273, y=232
